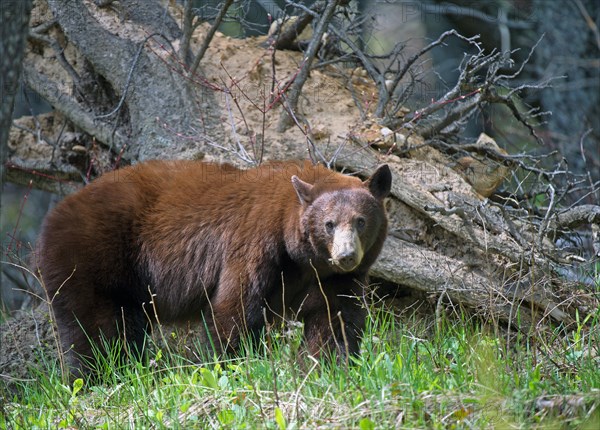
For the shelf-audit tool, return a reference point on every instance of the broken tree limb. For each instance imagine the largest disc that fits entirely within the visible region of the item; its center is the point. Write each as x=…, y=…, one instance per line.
x=158, y=93
x=69, y=107
x=575, y=217
x=285, y=120
x=494, y=272
x=436, y=274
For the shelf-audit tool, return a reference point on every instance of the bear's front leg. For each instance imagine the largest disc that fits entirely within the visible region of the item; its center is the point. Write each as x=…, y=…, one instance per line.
x=235, y=309
x=334, y=317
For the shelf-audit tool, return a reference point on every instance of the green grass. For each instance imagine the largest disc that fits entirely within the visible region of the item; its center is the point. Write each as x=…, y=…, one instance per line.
x=458, y=374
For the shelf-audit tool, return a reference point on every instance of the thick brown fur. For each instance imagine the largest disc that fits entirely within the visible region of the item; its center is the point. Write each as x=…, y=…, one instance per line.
x=214, y=243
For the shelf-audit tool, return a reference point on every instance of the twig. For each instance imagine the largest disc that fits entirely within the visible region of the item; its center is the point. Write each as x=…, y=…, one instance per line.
x=583, y=157
x=546, y=220
x=385, y=93
x=41, y=136
x=60, y=56
x=313, y=151
x=461, y=110
x=129, y=76
x=494, y=97
x=366, y=62
x=526, y=61
x=486, y=92
x=241, y=151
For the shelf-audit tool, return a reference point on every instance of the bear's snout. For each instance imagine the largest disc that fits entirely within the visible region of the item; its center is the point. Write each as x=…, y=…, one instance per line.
x=346, y=252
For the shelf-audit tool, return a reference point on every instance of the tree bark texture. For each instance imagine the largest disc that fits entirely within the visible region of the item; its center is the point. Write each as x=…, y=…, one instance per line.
x=14, y=26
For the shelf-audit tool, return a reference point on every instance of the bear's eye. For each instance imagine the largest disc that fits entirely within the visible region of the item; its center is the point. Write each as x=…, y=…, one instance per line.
x=329, y=226
x=360, y=223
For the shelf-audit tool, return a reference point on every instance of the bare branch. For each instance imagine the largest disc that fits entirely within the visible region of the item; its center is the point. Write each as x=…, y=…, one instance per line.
x=188, y=29
x=60, y=56
x=463, y=104
x=467, y=79
x=544, y=225
x=286, y=35
x=296, y=89
x=209, y=36
x=459, y=111
x=129, y=76
x=575, y=217
x=384, y=96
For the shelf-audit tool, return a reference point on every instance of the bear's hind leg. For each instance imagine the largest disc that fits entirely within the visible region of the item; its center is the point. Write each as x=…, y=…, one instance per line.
x=101, y=334
x=82, y=332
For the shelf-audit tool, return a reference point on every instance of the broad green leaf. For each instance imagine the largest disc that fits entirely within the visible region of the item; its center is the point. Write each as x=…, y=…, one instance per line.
x=209, y=379
x=77, y=385
x=279, y=419
x=366, y=424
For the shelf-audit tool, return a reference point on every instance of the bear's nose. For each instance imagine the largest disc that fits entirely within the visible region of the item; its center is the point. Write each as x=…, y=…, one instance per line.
x=347, y=259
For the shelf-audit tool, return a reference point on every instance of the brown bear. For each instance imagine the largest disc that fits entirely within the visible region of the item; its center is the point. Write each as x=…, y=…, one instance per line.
x=187, y=240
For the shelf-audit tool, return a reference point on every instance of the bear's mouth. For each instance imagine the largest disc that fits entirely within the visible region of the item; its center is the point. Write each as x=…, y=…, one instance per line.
x=344, y=266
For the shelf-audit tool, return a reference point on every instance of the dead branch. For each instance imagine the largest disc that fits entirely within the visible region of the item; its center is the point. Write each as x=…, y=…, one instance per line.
x=384, y=96
x=112, y=57
x=286, y=35
x=487, y=92
x=209, y=35
x=574, y=217
x=188, y=29
x=71, y=109
x=59, y=55
x=296, y=89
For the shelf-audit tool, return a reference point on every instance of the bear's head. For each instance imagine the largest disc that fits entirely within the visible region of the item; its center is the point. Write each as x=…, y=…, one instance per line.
x=344, y=218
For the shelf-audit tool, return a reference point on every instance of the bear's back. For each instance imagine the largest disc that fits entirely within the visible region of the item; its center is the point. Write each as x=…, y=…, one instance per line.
x=212, y=221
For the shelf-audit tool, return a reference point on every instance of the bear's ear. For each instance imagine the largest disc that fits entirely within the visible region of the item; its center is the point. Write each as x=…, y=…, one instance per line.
x=303, y=189
x=380, y=183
